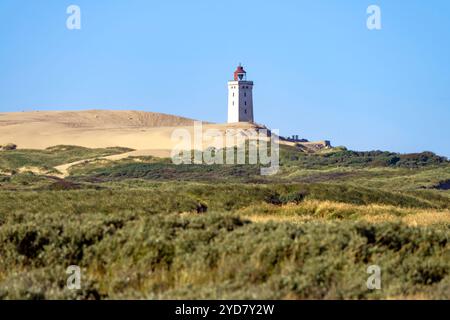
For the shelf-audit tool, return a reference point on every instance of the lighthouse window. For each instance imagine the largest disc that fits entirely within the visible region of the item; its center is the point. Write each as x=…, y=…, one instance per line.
x=245, y=102
x=245, y=111
x=245, y=94
x=233, y=94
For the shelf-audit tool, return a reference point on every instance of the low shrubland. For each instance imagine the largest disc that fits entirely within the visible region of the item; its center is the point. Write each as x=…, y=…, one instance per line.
x=129, y=254
x=347, y=158
x=145, y=228
x=12, y=160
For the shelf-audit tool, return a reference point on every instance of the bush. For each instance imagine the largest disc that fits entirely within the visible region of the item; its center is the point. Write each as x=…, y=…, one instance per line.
x=294, y=197
x=125, y=255
x=346, y=158
x=9, y=146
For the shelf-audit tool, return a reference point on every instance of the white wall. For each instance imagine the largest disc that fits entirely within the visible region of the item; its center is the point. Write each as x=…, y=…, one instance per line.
x=240, y=101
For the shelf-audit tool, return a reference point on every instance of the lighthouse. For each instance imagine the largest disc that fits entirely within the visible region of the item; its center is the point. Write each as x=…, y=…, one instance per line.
x=240, y=97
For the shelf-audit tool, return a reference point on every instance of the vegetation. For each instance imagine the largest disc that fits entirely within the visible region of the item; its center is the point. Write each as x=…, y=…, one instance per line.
x=347, y=158
x=8, y=146
x=11, y=160
x=145, y=228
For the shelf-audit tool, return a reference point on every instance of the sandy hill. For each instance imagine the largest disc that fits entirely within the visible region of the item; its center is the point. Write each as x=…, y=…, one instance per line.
x=93, y=119
x=147, y=132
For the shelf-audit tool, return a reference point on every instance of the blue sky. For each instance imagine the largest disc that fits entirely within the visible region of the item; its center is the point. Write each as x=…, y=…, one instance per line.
x=318, y=71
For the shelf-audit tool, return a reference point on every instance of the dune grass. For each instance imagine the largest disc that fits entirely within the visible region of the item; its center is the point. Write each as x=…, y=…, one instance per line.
x=129, y=254
x=12, y=160
x=314, y=210
x=144, y=228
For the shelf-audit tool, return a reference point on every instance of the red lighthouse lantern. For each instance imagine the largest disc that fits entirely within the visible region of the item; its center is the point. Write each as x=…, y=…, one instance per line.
x=240, y=74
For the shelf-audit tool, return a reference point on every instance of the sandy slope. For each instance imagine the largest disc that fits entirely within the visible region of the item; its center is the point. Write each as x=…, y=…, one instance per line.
x=147, y=132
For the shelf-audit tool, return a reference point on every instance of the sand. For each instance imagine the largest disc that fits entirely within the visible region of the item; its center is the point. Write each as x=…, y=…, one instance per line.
x=148, y=133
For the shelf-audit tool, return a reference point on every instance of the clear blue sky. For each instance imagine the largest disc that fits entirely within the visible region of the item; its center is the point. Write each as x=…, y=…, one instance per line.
x=318, y=71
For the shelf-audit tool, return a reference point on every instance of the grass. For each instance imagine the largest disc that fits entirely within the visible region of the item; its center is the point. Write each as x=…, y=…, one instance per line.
x=313, y=210
x=145, y=228
x=13, y=160
x=132, y=255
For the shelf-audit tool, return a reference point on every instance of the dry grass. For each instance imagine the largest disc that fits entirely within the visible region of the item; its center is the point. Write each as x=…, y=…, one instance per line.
x=421, y=218
x=327, y=210
x=35, y=170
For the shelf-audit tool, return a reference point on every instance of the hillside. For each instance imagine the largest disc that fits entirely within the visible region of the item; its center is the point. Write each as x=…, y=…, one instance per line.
x=142, y=227
x=147, y=132
x=93, y=119
x=92, y=129
x=145, y=228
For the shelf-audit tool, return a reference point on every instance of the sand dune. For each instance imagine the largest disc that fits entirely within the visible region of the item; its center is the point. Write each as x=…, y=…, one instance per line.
x=95, y=118
x=147, y=132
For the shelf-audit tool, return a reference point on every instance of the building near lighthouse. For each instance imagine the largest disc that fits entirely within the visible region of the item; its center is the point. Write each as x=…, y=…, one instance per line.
x=240, y=97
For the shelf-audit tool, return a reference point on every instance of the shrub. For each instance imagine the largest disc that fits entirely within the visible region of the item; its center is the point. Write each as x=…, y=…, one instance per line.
x=294, y=197
x=9, y=146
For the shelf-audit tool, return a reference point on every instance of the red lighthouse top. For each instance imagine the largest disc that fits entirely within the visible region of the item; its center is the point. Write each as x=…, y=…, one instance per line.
x=240, y=73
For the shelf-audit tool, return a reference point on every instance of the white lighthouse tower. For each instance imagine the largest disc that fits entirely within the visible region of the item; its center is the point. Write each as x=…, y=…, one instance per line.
x=240, y=97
